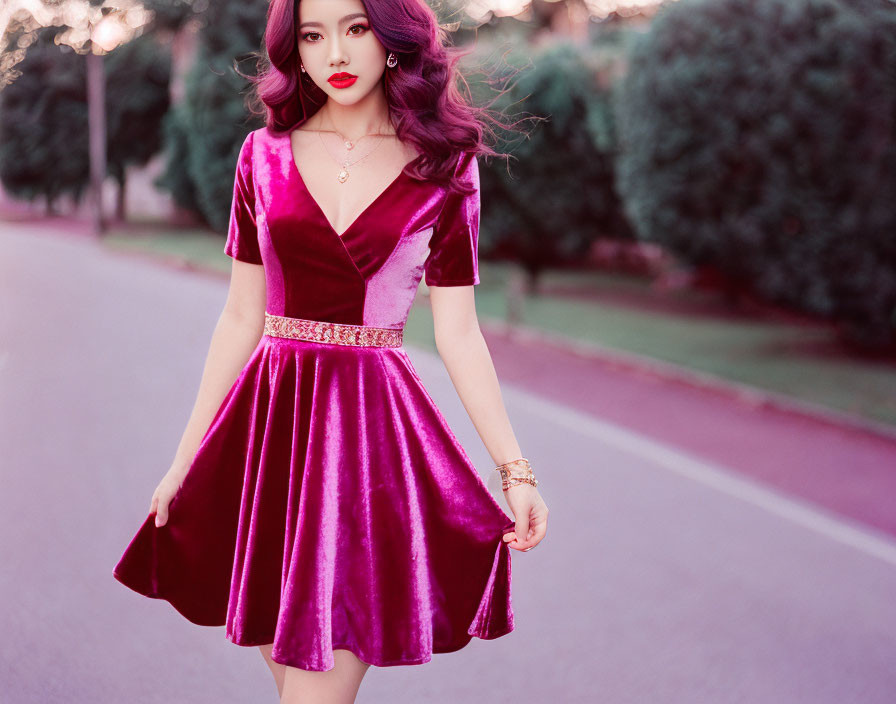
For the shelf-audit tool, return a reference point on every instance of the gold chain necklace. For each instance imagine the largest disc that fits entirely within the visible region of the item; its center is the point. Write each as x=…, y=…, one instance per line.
x=344, y=174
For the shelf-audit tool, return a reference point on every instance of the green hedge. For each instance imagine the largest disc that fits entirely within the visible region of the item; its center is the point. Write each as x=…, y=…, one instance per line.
x=205, y=131
x=759, y=137
x=44, y=145
x=556, y=195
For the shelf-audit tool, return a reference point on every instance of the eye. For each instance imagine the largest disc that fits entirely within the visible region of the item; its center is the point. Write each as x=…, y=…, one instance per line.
x=362, y=27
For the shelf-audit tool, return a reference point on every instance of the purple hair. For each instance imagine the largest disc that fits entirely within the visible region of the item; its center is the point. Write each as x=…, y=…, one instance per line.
x=426, y=107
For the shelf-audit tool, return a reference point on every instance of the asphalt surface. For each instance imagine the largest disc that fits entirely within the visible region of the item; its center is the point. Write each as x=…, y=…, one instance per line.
x=667, y=575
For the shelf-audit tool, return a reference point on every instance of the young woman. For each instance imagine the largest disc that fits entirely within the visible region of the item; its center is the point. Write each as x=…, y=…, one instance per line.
x=319, y=505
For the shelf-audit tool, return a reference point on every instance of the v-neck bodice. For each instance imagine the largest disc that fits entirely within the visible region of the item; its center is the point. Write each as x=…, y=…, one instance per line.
x=368, y=275
x=371, y=205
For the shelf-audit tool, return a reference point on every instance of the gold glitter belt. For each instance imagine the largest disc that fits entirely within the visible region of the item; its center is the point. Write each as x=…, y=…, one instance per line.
x=333, y=333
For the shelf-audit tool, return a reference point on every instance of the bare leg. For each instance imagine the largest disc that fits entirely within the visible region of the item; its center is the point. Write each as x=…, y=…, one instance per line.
x=337, y=686
x=278, y=670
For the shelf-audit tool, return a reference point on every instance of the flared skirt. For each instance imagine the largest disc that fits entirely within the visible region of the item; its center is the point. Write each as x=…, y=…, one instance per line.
x=329, y=505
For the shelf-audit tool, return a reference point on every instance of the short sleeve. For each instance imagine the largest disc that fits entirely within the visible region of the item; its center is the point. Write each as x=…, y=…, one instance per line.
x=453, y=247
x=242, y=233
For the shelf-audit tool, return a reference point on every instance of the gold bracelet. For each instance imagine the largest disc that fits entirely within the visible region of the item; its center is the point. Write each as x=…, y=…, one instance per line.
x=508, y=480
x=522, y=462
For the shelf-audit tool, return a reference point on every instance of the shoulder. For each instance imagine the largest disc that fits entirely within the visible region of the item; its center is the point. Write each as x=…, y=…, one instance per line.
x=466, y=171
x=265, y=138
x=261, y=145
x=465, y=158
x=467, y=168
x=261, y=137
x=247, y=148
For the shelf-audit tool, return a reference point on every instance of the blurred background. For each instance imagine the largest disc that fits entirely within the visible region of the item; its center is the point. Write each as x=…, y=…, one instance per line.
x=723, y=170
x=697, y=246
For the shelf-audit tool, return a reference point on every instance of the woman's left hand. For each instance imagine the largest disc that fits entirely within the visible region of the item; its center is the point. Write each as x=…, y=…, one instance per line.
x=531, y=515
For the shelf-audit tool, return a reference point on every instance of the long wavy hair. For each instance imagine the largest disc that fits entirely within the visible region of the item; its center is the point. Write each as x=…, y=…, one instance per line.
x=426, y=106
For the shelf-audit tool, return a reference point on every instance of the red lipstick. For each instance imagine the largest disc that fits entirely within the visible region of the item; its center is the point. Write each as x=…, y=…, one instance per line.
x=342, y=79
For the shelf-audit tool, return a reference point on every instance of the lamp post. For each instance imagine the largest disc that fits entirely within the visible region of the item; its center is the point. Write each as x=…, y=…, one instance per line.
x=105, y=35
x=96, y=127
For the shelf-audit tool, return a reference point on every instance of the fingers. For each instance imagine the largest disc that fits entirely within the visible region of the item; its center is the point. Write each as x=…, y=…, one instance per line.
x=513, y=541
x=533, y=536
x=538, y=533
x=162, y=515
x=520, y=529
x=522, y=526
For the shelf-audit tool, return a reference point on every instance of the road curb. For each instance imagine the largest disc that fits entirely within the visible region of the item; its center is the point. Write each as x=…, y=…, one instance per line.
x=750, y=395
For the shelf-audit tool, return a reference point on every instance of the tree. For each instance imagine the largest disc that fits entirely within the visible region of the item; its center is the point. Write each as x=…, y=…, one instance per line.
x=204, y=136
x=176, y=177
x=43, y=151
x=759, y=138
x=137, y=77
x=559, y=195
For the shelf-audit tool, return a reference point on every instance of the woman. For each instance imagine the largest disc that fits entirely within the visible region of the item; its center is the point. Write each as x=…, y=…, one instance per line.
x=319, y=505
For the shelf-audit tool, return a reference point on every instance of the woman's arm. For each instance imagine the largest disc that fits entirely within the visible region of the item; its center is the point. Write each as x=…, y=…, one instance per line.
x=469, y=364
x=468, y=361
x=236, y=335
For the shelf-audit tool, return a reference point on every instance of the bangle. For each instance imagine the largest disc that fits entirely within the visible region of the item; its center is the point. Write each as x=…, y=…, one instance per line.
x=517, y=471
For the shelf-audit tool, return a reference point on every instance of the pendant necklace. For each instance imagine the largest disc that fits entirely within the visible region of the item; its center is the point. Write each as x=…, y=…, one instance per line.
x=349, y=145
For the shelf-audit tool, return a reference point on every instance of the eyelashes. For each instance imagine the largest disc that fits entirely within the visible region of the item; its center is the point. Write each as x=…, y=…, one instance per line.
x=362, y=27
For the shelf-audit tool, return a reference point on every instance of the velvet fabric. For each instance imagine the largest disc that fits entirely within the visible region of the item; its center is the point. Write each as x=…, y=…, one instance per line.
x=369, y=274
x=329, y=504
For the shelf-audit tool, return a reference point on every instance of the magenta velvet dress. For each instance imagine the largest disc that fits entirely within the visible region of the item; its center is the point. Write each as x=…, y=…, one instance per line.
x=329, y=504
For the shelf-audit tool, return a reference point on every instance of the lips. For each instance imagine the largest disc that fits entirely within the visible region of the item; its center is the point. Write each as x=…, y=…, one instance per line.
x=342, y=80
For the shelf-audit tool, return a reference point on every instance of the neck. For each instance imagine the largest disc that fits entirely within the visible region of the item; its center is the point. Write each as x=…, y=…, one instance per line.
x=370, y=115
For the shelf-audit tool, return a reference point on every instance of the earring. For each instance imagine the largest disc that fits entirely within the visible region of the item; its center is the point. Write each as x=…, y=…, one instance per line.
x=392, y=61
x=303, y=68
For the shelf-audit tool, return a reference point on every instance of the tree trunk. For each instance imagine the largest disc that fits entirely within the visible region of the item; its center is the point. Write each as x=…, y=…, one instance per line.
x=532, y=259
x=532, y=281
x=96, y=120
x=120, y=203
x=516, y=295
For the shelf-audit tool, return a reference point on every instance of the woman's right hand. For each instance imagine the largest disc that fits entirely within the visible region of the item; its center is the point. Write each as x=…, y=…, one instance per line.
x=165, y=491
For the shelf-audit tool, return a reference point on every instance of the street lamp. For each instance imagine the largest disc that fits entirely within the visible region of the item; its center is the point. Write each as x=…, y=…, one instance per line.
x=111, y=31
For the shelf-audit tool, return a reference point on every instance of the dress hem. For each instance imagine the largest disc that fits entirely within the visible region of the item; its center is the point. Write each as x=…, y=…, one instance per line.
x=376, y=662
x=478, y=628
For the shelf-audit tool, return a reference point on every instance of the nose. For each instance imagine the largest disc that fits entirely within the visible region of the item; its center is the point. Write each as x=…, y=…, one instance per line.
x=337, y=55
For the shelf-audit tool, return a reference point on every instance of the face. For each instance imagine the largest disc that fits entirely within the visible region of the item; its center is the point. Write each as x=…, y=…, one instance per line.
x=335, y=38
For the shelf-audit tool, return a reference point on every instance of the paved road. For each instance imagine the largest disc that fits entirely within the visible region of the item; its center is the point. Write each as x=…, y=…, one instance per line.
x=665, y=578
x=847, y=468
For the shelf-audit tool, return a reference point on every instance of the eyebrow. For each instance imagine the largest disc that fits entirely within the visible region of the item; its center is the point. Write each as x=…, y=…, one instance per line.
x=344, y=19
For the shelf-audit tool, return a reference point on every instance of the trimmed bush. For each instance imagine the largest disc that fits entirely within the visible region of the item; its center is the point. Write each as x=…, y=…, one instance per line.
x=43, y=150
x=759, y=137
x=556, y=198
x=204, y=136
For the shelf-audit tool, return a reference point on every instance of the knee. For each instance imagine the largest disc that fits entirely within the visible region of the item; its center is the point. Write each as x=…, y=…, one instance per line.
x=346, y=659
x=277, y=670
x=339, y=685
